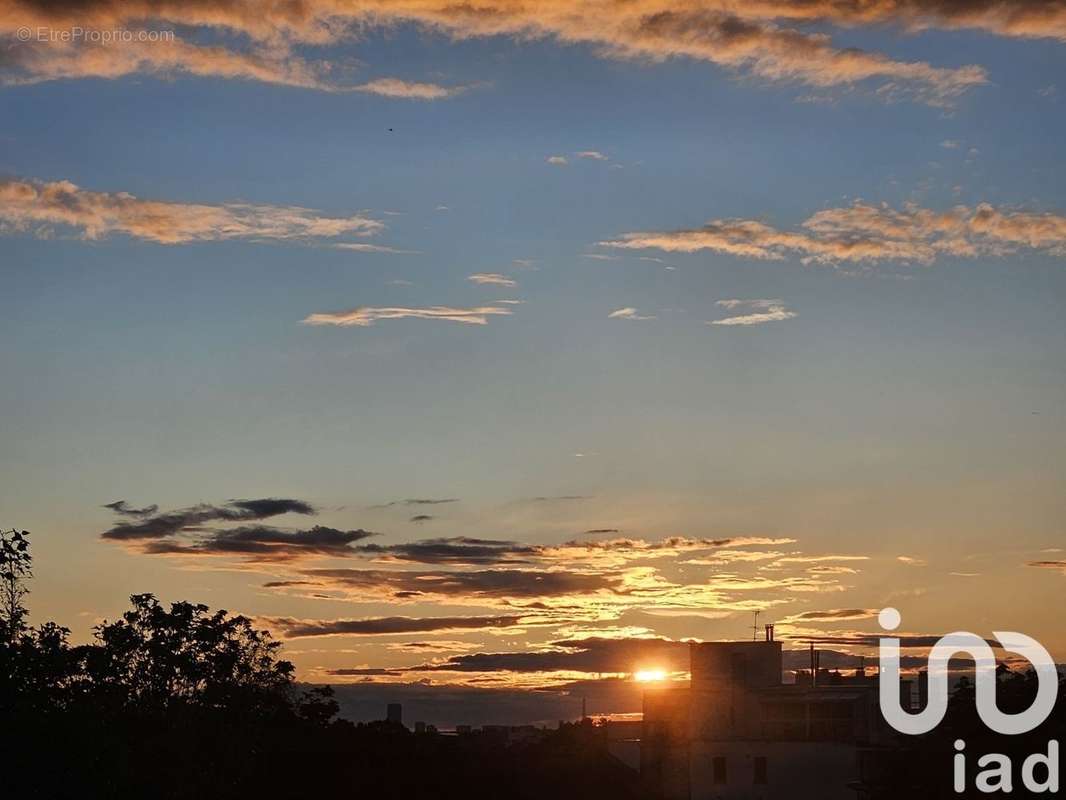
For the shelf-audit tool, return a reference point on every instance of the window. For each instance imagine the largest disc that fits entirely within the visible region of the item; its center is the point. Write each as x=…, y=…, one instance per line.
x=759, y=771
x=718, y=767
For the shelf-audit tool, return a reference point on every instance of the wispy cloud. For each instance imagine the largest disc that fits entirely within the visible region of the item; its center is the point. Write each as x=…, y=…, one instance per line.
x=260, y=543
x=164, y=54
x=151, y=524
x=409, y=90
x=566, y=498
x=628, y=313
x=37, y=62
x=491, y=279
x=594, y=155
x=364, y=247
x=433, y=646
x=365, y=316
x=193, y=531
x=912, y=561
x=759, y=312
x=418, y=501
x=589, y=655
x=38, y=207
x=125, y=509
x=868, y=233
x=822, y=558
x=378, y=626
x=454, y=550
x=1055, y=565
x=558, y=161
x=832, y=615
x=472, y=586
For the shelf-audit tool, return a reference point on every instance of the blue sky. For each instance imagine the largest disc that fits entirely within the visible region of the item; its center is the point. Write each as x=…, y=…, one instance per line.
x=899, y=408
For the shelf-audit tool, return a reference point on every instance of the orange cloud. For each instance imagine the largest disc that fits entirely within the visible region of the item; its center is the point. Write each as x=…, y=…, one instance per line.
x=748, y=37
x=35, y=206
x=364, y=316
x=868, y=233
x=1022, y=18
x=37, y=62
x=1055, y=565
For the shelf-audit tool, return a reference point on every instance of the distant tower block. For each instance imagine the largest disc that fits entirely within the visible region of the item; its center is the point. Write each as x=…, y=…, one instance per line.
x=394, y=713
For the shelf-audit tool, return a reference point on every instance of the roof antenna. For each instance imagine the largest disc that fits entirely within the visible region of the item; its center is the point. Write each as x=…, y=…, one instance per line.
x=755, y=628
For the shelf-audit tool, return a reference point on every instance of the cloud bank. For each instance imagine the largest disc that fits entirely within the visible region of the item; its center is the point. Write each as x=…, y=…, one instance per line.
x=765, y=38
x=39, y=207
x=867, y=233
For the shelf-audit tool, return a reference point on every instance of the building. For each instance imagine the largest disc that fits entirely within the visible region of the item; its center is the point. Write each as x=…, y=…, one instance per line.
x=394, y=713
x=738, y=732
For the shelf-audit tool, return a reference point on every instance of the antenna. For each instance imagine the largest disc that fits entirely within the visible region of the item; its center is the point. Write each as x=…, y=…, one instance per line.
x=755, y=628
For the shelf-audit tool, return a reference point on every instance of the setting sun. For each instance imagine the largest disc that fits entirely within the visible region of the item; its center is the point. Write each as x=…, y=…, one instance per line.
x=647, y=675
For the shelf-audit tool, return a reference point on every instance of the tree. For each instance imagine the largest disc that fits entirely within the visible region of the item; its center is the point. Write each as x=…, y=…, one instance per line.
x=154, y=659
x=15, y=570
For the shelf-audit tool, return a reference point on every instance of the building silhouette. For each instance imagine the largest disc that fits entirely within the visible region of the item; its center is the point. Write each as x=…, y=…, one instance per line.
x=738, y=732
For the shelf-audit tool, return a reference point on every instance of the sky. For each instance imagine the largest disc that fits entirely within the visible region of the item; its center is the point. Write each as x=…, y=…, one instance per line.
x=510, y=346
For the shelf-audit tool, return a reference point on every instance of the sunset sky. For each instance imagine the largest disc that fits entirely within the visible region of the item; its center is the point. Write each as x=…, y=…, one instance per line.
x=469, y=344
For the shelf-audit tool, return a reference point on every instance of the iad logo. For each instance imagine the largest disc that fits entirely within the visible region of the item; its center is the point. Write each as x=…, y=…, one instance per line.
x=998, y=776
x=964, y=642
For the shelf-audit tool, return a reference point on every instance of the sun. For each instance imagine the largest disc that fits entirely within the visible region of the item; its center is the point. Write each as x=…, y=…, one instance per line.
x=648, y=675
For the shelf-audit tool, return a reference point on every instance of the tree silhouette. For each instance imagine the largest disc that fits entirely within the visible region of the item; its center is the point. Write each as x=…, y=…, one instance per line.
x=179, y=702
x=15, y=569
x=154, y=658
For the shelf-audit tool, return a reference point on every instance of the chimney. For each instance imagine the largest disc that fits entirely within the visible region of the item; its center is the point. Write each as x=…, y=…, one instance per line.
x=770, y=633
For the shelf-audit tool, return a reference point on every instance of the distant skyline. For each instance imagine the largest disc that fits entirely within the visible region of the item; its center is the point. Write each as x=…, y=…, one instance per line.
x=511, y=345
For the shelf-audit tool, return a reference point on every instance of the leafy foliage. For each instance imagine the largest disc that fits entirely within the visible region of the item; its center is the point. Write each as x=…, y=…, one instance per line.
x=155, y=658
x=15, y=570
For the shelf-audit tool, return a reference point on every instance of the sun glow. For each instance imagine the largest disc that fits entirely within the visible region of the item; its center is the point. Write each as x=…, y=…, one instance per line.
x=647, y=675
